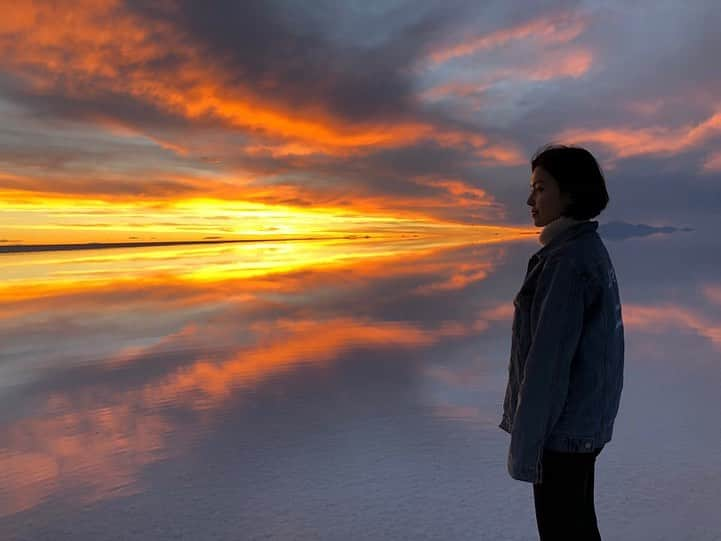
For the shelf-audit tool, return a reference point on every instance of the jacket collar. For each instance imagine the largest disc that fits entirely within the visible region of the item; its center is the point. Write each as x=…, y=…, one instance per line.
x=556, y=226
x=572, y=231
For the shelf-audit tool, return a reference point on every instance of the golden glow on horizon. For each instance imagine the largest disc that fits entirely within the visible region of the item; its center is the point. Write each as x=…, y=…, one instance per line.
x=28, y=276
x=58, y=220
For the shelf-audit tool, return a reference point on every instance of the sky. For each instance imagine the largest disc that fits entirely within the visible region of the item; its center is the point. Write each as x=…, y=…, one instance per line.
x=180, y=120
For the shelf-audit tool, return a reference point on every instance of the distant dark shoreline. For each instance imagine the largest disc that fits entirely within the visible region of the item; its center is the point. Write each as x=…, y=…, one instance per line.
x=21, y=248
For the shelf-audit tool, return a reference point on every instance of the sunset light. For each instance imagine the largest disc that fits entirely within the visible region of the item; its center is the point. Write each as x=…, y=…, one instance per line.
x=329, y=270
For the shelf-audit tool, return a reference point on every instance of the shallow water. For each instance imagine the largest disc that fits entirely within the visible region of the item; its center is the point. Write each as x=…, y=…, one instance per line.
x=331, y=390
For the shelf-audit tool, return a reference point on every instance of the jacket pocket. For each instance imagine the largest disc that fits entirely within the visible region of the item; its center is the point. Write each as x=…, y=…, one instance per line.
x=567, y=443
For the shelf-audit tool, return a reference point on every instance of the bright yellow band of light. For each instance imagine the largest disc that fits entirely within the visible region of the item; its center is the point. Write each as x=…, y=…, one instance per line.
x=37, y=220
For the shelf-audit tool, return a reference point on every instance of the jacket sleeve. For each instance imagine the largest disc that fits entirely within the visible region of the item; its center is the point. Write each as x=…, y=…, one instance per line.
x=557, y=321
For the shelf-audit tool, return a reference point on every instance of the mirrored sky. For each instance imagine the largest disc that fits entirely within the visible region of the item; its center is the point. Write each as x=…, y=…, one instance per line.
x=228, y=386
x=352, y=383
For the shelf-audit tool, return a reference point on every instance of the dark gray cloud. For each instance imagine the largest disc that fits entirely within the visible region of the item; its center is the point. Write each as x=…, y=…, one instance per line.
x=621, y=230
x=289, y=52
x=94, y=101
x=103, y=186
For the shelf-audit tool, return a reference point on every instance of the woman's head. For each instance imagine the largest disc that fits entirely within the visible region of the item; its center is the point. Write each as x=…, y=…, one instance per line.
x=566, y=181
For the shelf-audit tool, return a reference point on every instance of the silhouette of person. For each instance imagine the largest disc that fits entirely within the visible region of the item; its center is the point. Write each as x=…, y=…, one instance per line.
x=565, y=372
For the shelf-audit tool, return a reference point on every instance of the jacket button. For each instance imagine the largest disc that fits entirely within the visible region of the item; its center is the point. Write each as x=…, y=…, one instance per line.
x=588, y=445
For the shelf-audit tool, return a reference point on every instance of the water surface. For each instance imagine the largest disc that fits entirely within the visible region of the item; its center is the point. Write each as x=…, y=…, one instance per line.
x=328, y=390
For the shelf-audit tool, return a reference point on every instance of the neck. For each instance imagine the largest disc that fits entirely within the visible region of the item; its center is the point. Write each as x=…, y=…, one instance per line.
x=553, y=228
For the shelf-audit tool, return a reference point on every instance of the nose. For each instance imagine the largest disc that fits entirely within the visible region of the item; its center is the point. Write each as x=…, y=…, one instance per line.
x=529, y=201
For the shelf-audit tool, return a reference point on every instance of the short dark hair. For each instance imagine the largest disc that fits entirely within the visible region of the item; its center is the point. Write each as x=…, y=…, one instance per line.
x=578, y=174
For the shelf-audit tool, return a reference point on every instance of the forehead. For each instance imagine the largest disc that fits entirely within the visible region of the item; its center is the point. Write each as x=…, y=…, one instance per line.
x=540, y=176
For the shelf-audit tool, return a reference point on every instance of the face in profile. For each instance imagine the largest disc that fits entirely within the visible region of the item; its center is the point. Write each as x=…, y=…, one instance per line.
x=546, y=200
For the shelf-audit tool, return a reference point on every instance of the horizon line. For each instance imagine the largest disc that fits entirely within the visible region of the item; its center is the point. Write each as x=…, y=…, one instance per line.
x=20, y=248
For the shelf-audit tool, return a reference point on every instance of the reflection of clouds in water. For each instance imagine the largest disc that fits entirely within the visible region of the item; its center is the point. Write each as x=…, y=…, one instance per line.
x=104, y=439
x=200, y=343
x=665, y=318
x=450, y=392
x=178, y=352
x=461, y=384
x=89, y=446
x=460, y=276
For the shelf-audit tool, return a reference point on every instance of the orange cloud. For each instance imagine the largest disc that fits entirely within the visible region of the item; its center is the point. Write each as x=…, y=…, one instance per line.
x=97, y=47
x=457, y=188
x=546, y=30
x=457, y=89
x=281, y=150
x=574, y=63
x=458, y=194
x=555, y=64
x=504, y=154
x=502, y=312
x=713, y=162
x=625, y=142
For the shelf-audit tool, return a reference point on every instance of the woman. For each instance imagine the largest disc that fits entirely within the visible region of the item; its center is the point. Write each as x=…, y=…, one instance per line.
x=566, y=368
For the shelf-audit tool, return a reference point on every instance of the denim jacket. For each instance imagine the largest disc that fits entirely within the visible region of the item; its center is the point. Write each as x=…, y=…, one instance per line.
x=566, y=368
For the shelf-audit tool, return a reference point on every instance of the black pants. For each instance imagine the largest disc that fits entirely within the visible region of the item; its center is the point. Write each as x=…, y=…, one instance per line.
x=564, y=500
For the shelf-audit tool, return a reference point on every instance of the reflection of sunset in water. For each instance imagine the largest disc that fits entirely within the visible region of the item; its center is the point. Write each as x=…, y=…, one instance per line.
x=219, y=261
x=118, y=364
x=229, y=317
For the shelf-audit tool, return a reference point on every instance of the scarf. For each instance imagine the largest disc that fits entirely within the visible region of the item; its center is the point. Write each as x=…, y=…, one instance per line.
x=551, y=229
